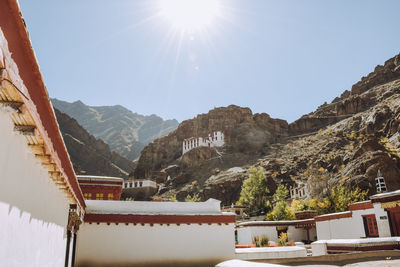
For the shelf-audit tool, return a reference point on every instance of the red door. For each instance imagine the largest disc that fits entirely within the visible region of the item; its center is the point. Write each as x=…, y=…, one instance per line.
x=395, y=220
x=371, y=228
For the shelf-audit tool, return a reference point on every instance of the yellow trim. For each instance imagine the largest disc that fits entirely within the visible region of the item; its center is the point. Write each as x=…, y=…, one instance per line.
x=389, y=205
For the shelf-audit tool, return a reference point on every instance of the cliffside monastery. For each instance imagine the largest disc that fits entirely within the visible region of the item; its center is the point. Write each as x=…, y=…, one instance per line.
x=51, y=217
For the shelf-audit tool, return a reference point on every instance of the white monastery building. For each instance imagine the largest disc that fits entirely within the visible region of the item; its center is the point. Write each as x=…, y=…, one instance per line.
x=299, y=191
x=216, y=139
x=139, y=189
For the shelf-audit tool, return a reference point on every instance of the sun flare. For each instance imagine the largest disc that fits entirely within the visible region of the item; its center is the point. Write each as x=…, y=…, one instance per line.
x=190, y=14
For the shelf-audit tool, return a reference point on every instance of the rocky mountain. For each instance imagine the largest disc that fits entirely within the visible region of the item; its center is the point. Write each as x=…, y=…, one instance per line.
x=125, y=132
x=88, y=154
x=345, y=142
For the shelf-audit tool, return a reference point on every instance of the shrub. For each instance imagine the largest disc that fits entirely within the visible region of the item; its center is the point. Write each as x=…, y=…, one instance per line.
x=256, y=241
x=264, y=239
x=194, y=198
x=282, y=239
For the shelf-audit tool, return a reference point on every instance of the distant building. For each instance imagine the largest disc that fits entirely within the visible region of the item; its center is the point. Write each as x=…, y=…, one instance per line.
x=237, y=209
x=299, y=191
x=100, y=187
x=380, y=183
x=216, y=139
x=139, y=189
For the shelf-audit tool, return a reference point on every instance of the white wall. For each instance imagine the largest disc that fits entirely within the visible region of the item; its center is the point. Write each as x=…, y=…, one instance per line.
x=211, y=206
x=246, y=234
x=383, y=224
x=128, y=244
x=145, y=183
x=216, y=139
x=33, y=211
x=353, y=227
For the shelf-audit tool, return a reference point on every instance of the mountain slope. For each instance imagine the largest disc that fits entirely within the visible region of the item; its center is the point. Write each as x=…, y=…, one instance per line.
x=344, y=142
x=88, y=154
x=125, y=132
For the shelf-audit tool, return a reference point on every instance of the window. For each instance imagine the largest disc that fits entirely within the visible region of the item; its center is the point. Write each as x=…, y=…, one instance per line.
x=140, y=184
x=110, y=196
x=135, y=184
x=87, y=195
x=99, y=196
x=370, y=226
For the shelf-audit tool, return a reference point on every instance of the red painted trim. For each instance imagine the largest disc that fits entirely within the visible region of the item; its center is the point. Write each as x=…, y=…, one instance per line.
x=386, y=199
x=158, y=219
x=100, y=182
x=331, y=248
x=361, y=206
x=38, y=104
x=333, y=216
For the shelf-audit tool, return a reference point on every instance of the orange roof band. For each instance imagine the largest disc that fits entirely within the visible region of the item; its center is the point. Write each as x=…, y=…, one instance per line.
x=37, y=100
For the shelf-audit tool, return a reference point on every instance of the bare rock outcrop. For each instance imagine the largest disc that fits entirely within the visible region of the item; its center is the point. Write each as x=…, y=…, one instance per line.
x=244, y=133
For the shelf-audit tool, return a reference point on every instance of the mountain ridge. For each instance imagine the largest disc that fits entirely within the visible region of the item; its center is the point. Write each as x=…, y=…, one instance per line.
x=126, y=132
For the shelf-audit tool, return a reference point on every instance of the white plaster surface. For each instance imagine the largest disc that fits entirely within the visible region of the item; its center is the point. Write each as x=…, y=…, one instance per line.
x=241, y=263
x=214, y=140
x=247, y=230
x=353, y=227
x=33, y=211
x=127, y=244
x=270, y=253
x=211, y=206
x=320, y=247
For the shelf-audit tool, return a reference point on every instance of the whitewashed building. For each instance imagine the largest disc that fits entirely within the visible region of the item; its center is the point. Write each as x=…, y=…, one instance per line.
x=139, y=189
x=299, y=191
x=155, y=233
x=216, y=139
x=41, y=203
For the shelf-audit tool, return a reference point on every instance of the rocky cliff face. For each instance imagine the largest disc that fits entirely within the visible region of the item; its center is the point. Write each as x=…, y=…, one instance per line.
x=126, y=132
x=344, y=142
x=359, y=99
x=88, y=154
x=244, y=133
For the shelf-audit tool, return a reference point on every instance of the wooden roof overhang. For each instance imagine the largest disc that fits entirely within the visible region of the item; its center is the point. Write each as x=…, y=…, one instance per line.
x=23, y=90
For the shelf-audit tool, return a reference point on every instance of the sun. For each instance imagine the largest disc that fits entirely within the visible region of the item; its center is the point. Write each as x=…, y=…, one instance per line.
x=190, y=15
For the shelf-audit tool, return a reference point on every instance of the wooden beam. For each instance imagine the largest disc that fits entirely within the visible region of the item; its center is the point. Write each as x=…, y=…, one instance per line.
x=50, y=166
x=25, y=129
x=55, y=175
x=16, y=105
x=37, y=149
x=46, y=159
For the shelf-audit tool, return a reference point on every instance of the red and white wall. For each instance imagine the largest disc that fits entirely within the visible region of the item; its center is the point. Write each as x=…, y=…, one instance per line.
x=349, y=224
x=132, y=232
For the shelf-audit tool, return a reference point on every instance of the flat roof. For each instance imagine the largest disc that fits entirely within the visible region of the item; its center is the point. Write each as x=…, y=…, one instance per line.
x=209, y=207
x=386, y=194
x=99, y=178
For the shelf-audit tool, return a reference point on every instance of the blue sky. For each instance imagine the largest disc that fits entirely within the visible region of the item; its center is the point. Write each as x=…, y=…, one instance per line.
x=282, y=57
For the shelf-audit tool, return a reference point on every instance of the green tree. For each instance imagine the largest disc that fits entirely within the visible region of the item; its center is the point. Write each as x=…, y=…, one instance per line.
x=281, y=193
x=281, y=210
x=341, y=197
x=254, y=192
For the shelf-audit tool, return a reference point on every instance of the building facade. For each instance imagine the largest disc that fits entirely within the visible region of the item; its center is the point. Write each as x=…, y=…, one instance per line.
x=139, y=189
x=216, y=139
x=100, y=187
x=155, y=234
x=41, y=203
